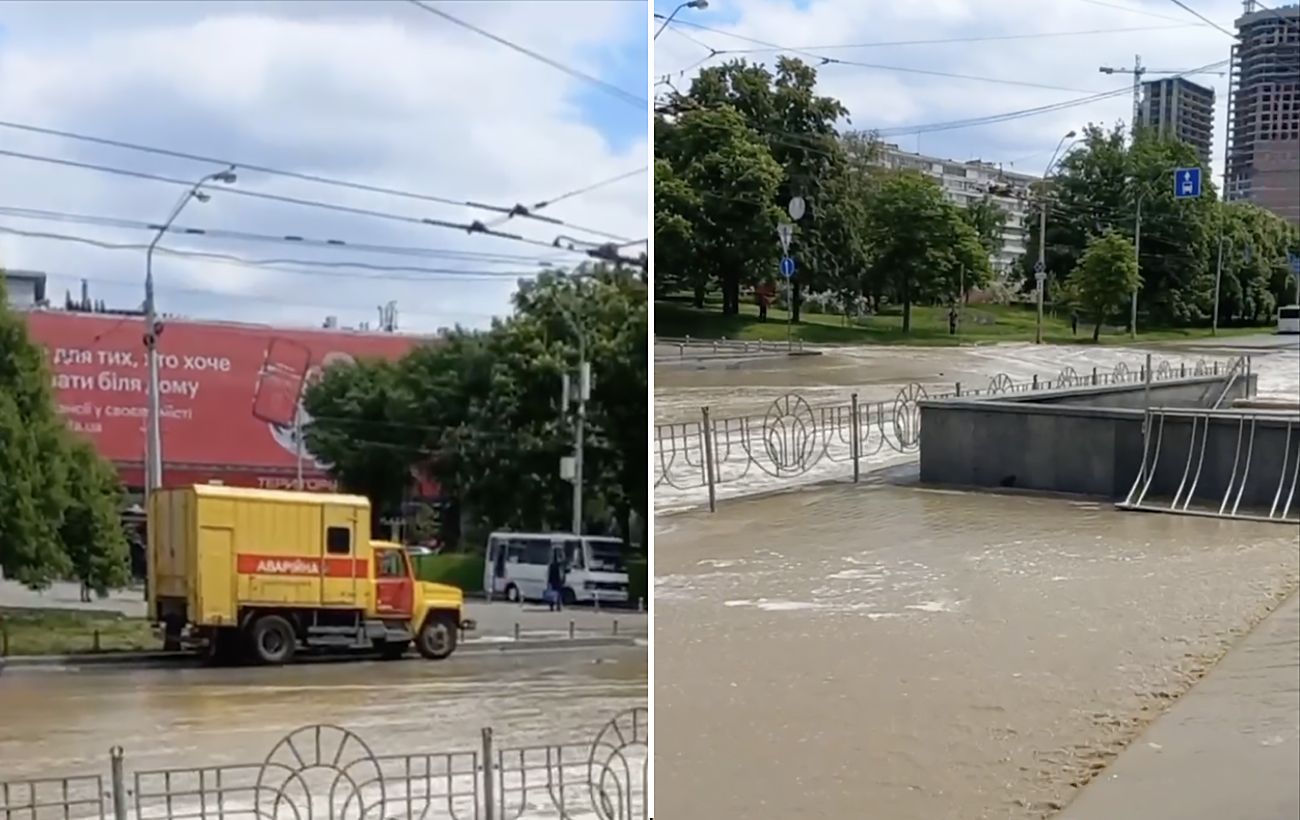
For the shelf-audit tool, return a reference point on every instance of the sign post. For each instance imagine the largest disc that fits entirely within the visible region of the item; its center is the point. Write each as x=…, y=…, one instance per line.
x=787, y=270
x=1187, y=183
x=785, y=231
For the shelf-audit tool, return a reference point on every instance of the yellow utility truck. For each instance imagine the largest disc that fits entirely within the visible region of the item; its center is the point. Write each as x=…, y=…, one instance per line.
x=263, y=573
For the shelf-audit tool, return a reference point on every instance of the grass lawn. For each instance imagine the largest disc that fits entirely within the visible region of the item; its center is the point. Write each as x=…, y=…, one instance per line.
x=66, y=632
x=676, y=317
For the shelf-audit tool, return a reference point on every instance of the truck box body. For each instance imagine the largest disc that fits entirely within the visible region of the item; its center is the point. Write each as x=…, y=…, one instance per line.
x=218, y=549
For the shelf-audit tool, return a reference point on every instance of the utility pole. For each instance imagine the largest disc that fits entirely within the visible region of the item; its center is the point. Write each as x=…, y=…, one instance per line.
x=571, y=466
x=1137, y=259
x=1040, y=269
x=153, y=328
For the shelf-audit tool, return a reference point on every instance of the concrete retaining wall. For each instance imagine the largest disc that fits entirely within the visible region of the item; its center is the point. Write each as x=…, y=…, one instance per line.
x=1083, y=440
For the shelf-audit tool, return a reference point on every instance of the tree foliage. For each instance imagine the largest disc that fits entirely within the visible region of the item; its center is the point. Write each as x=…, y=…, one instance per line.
x=1098, y=188
x=59, y=502
x=1105, y=276
x=481, y=412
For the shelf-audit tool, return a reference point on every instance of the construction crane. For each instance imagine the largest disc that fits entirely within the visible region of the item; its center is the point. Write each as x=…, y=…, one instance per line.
x=1138, y=71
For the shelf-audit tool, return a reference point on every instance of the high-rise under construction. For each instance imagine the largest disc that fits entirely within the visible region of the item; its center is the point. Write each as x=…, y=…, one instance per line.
x=1263, y=160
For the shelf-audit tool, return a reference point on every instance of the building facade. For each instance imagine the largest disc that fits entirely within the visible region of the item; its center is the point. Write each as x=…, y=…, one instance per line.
x=1178, y=108
x=1263, y=157
x=24, y=289
x=964, y=183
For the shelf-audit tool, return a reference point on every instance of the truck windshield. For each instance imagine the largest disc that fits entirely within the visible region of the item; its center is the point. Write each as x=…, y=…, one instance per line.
x=606, y=556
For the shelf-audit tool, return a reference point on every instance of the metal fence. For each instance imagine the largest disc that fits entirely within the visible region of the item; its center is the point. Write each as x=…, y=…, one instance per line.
x=793, y=437
x=329, y=772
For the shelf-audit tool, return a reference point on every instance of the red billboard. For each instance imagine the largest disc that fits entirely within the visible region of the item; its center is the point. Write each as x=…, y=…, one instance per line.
x=230, y=393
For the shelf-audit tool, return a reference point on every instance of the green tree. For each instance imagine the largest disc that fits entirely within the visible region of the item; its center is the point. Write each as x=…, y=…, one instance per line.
x=92, y=533
x=33, y=475
x=59, y=502
x=1102, y=281
x=481, y=413
x=797, y=125
x=920, y=241
x=358, y=412
x=731, y=170
x=988, y=219
x=677, y=258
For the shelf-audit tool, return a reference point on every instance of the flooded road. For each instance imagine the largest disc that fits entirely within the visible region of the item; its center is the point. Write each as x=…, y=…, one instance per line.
x=741, y=398
x=65, y=722
x=915, y=654
x=877, y=373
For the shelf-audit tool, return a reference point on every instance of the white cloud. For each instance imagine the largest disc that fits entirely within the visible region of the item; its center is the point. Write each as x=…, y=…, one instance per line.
x=1171, y=39
x=381, y=93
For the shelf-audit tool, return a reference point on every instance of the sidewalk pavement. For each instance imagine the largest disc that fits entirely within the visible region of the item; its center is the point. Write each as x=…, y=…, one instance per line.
x=494, y=618
x=1228, y=749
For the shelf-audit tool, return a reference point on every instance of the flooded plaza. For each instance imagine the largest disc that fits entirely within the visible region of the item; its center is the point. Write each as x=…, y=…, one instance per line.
x=893, y=651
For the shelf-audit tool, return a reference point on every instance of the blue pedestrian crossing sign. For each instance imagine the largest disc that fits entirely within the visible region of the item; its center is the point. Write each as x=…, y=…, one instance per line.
x=787, y=267
x=1187, y=183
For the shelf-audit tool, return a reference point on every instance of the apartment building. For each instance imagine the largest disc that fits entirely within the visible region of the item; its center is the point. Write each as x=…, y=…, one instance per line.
x=967, y=182
x=1264, y=111
x=1179, y=108
x=24, y=289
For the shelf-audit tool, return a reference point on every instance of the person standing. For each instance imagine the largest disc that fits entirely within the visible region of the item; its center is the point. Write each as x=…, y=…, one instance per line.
x=555, y=582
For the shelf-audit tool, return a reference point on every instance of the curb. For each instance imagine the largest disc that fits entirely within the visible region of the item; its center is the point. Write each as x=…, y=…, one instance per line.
x=164, y=660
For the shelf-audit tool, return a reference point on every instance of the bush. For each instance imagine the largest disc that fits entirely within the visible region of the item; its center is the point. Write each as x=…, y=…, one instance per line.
x=459, y=569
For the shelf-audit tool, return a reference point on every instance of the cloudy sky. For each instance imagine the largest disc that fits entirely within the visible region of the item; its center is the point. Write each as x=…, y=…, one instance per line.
x=1014, y=45
x=380, y=92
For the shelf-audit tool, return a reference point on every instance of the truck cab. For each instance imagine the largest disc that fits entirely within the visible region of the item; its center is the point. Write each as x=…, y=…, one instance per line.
x=266, y=573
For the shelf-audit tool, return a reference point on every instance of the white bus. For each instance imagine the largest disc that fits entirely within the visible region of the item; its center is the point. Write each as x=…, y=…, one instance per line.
x=1288, y=319
x=517, y=563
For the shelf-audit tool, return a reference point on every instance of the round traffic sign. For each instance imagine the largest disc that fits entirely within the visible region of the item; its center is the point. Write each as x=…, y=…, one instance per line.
x=787, y=267
x=797, y=206
x=1039, y=267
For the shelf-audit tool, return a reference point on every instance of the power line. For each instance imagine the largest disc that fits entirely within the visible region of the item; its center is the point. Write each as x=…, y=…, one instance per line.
x=824, y=60
x=273, y=264
x=515, y=210
x=289, y=239
x=955, y=40
x=609, y=88
x=546, y=203
x=474, y=227
x=1131, y=10
x=1202, y=17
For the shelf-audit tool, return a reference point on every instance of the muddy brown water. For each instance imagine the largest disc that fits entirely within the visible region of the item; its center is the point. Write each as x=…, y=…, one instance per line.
x=63, y=723
x=916, y=654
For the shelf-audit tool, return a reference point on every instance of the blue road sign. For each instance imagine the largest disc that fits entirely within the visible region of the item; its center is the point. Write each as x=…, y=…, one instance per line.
x=787, y=267
x=1187, y=183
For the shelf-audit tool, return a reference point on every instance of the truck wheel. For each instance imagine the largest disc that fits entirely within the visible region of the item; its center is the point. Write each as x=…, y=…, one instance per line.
x=512, y=593
x=224, y=647
x=437, y=638
x=273, y=640
x=393, y=650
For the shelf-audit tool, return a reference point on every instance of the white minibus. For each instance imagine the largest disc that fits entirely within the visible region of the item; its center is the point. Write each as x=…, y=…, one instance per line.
x=1288, y=319
x=516, y=566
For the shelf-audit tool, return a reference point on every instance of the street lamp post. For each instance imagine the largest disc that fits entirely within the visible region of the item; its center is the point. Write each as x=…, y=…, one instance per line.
x=1040, y=270
x=152, y=329
x=693, y=4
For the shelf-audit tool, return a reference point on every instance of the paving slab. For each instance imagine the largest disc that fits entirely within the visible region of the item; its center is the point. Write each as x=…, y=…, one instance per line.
x=1229, y=748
